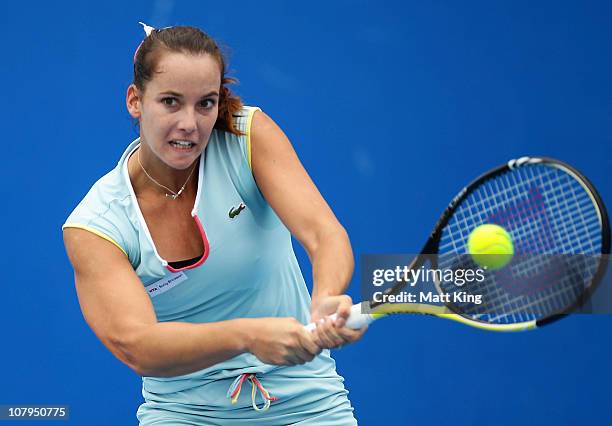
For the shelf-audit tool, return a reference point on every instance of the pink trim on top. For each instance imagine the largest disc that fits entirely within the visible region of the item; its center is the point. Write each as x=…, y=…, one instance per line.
x=206, y=248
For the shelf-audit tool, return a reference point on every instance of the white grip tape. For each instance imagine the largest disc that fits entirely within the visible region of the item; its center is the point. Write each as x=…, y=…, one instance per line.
x=356, y=319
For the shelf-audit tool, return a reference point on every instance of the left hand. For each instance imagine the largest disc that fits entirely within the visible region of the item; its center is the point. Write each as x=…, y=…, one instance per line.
x=332, y=334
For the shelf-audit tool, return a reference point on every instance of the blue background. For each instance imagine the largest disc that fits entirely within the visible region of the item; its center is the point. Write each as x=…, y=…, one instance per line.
x=392, y=107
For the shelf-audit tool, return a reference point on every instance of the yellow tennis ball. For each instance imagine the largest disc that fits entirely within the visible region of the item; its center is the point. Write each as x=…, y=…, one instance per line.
x=490, y=246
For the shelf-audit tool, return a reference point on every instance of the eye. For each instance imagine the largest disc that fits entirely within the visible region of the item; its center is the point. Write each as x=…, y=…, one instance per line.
x=169, y=101
x=207, y=103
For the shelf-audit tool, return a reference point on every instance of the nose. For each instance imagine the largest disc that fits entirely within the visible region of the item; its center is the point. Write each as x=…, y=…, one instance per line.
x=187, y=121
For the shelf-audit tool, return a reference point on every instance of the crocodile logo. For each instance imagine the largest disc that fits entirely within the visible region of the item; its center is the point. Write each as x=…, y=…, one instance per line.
x=235, y=211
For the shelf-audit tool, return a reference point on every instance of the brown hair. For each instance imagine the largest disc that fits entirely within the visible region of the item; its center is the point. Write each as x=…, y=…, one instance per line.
x=191, y=40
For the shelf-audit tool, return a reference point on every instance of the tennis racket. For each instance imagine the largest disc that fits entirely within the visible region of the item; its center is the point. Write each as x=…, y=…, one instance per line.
x=561, y=235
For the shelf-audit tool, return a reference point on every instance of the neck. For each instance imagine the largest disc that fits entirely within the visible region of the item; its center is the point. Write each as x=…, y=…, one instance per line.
x=159, y=171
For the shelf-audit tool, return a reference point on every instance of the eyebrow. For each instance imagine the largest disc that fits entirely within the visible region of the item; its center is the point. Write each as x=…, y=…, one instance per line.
x=178, y=95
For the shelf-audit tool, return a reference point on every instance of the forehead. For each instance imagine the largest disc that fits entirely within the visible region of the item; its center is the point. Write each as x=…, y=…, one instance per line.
x=186, y=73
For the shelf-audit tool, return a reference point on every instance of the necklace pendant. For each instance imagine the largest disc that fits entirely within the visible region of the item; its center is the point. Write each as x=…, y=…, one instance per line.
x=174, y=195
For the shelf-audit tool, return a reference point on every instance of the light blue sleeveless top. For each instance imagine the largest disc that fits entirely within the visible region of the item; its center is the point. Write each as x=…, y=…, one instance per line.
x=248, y=270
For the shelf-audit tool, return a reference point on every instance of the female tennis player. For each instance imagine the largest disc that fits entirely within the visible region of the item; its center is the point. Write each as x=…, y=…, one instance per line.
x=183, y=260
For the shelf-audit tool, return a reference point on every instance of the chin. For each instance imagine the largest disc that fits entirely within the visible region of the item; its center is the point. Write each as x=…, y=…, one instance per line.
x=182, y=160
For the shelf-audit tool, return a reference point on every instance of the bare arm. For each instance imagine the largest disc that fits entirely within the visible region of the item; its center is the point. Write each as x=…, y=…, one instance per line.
x=119, y=311
x=294, y=197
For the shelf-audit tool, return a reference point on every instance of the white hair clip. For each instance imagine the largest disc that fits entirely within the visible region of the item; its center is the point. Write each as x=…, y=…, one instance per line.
x=147, y=29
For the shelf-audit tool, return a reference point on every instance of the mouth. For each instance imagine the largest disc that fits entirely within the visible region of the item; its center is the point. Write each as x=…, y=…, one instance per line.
x=182, y=145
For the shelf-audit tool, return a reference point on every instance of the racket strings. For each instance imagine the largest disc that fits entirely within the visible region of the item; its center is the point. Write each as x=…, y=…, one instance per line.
x=556, y=232
x=497, y=194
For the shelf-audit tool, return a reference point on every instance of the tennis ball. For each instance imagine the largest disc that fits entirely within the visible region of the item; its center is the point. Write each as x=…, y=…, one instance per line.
x=490, y=246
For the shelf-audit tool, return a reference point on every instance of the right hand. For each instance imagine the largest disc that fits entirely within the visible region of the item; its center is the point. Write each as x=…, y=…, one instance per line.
x=282, y=341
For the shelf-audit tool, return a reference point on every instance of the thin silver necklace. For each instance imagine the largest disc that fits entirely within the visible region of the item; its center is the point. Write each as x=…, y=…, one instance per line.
x=173, y=195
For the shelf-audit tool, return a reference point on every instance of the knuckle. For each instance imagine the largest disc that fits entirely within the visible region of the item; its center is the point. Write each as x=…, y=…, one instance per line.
x=351, y=334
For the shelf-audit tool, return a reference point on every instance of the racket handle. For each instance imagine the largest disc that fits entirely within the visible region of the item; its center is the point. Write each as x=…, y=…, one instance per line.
x=356, y=319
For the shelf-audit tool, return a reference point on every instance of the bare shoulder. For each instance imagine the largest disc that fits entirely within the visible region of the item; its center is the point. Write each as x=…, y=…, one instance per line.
x=270, y=147
x=267, y=138
x=87, y=250
x=262, y=122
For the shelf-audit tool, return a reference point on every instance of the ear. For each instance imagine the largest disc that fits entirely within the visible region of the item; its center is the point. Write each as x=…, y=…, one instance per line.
x=133, y=101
